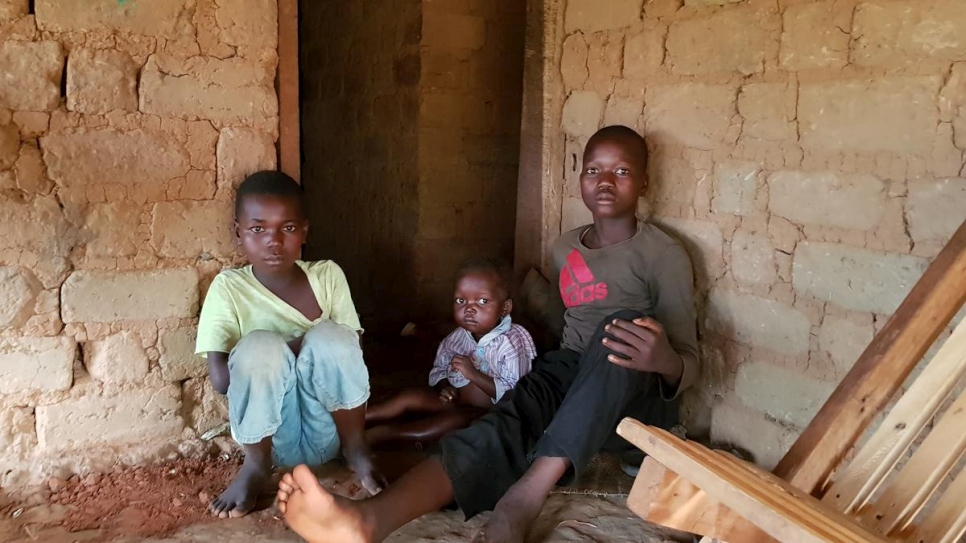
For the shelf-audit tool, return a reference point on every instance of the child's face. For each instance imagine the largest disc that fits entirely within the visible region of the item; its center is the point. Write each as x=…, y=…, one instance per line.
x=271, y=232
x=612, y=179
x=479, y=304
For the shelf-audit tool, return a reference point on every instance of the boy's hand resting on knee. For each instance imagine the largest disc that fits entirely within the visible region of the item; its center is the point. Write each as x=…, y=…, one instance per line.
x=642, y=345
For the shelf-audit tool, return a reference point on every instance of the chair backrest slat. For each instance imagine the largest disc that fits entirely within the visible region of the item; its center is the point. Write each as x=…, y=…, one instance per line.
x=947, y=522
x=852, y=488
x=905, y=496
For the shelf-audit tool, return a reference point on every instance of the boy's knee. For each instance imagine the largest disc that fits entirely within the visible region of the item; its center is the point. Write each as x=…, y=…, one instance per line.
x=259, y=352
x=335, y=339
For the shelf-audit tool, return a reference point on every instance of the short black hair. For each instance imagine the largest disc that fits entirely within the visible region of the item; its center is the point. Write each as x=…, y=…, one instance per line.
x=496, y=266
x=623, y=134
x=268, y=182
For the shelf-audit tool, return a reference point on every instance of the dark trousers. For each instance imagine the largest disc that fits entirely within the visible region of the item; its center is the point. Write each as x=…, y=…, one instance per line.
x=567, y=407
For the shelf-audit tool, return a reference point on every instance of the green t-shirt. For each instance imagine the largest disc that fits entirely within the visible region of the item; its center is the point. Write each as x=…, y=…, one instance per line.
x=237, y=304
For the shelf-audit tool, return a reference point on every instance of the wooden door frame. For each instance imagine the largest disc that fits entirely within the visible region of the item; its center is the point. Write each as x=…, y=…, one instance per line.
x=289, y=152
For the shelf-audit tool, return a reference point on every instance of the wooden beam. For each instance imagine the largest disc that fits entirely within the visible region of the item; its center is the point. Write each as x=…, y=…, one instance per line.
x=289, y=151
x=880, y=371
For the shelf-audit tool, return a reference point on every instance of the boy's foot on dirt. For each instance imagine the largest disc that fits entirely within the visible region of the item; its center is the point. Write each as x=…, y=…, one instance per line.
x=317, y=515
x=239, y=498
x=512, y=517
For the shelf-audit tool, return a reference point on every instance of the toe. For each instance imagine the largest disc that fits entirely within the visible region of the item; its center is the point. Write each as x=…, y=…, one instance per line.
x=304, y=479
x=285, y=487
x=282, y=504
x=238, y=512
x=290, y=481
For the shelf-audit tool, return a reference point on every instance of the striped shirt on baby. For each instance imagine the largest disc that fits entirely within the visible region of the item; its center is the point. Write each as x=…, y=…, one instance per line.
x=504, y=354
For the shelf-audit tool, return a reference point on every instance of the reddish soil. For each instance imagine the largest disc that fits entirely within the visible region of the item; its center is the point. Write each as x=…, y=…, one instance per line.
x=150, y=500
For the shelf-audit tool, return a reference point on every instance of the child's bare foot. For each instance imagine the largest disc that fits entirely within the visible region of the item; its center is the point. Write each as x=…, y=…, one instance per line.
x=513, y=516
x=239, y=498
x=317, y=515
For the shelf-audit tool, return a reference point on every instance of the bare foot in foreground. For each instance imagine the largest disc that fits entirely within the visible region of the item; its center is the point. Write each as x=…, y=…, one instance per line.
x=317, y=515
x=239, y=498
x=512, y=517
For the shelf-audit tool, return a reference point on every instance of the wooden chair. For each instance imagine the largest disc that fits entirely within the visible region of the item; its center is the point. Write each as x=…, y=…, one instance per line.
x=687, y=487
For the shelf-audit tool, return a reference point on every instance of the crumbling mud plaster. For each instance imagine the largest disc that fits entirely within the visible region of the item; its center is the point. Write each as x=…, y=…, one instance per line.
x=124, y=127
x=808, y=153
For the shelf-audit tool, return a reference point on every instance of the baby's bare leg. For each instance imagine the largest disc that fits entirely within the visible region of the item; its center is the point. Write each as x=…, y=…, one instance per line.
x=427, y=429
x=425, y=400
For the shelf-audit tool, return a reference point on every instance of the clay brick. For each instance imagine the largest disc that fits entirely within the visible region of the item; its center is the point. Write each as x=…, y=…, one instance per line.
x=205, y=407
x=766, y=112
x=784, y=395
x=758, y=322
x=120, y=161
x=242, y=152
x=573, y=61
x=894, y=114
x=191, y=229
x=582, y=113
x=732, y=40
x=644, y=52
x=753, y=259
x=736, y=187
x=855, y=278
x=36, y=364
x=250, y=23
x=18, y=290
x=111, y=230
x=95, y=296
x=691, y=114
x=843, y=340
x=574, y=214
x=178, y=359
x=13, y=9
x=9, y=145
x=37, y=232
x=32, y=123
x=440, y=69
x=891, y=32
x=31, y=171
x=766, y=440
x=163, y=18
x=37, y=68
x=847, y=201
x=623, y=110
x=18, y=439
x=813, y=38
x=587, y=15
x=117, y=359
x=604, y=60
x=231, y=91
x=128, y=417
x=935, y=209
x=702, y=239
x=101, y=81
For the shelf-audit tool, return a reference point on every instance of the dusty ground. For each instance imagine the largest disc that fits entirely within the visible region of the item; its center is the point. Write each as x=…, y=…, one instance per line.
x=166, y=503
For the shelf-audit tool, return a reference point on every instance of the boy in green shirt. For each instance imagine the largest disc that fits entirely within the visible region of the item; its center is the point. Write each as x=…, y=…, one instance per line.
x=282, y=341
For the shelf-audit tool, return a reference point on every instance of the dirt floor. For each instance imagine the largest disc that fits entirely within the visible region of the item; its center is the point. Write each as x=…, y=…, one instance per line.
x=166, y=503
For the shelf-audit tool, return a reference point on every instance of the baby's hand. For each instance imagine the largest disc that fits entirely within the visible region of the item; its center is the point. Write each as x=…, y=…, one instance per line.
x=447, y=393
x=463, y=365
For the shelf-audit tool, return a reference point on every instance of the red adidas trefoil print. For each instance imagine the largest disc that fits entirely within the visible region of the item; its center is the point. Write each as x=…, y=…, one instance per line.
x=577, y=283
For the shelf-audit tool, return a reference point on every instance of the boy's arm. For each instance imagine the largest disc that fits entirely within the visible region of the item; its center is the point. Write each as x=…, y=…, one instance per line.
x=218, y=371
x=465, y=366
x=517, y=353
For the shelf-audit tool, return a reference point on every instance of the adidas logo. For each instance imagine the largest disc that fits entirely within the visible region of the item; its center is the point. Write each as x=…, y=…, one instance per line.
x=577, y=286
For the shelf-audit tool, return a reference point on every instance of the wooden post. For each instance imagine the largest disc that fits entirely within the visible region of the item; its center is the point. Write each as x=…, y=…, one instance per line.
x=288, y=88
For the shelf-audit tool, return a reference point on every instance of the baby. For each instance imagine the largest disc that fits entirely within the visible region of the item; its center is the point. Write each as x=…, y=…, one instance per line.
x=475, y=365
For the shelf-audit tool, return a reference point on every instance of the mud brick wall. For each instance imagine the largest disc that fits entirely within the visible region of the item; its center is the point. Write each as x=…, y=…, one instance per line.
x=123, y=128
x=810, y=155
x=410, y=131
